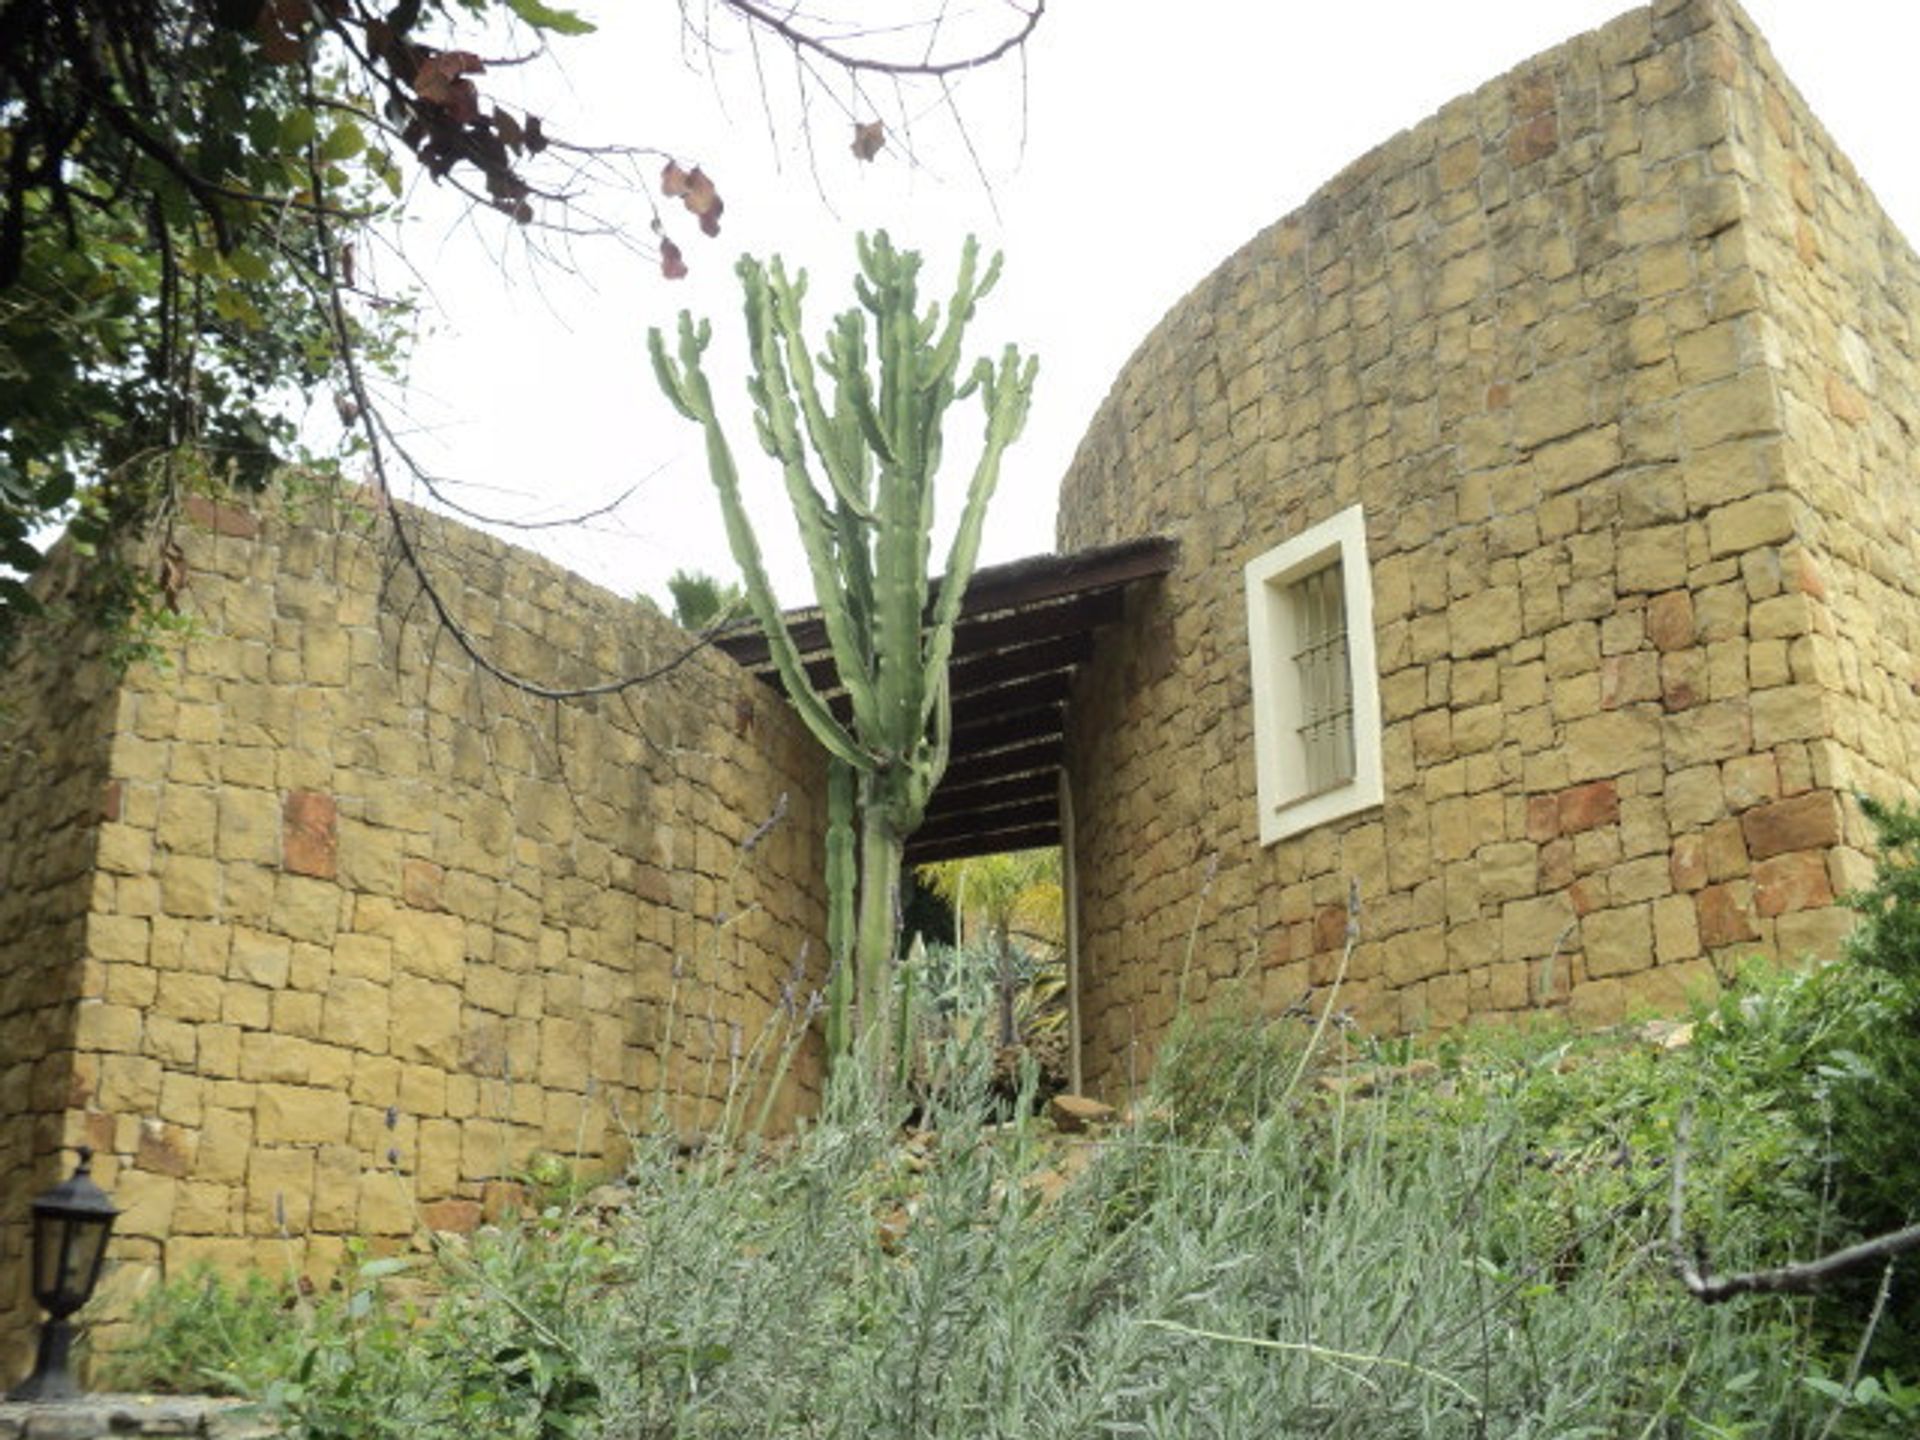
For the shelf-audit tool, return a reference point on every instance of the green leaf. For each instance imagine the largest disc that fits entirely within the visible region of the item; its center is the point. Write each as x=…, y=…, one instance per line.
x=343, y=142
x=297, y=129
x=249, y=265
x=545, y=17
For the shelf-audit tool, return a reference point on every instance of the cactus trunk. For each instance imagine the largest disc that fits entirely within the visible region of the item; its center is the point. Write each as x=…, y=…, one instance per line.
x=867, y=541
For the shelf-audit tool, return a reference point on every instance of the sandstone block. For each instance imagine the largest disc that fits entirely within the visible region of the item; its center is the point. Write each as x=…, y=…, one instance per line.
x=301, y=1115
x=426, y=1021
x=1743, y=525
x=1670, y=620
x=1789, y=712
x=308, y=834
x=189, y=885
x=1818, y=933
x=1705, y=734
x=1652, y=559
x=336, y=1189
x=248, y=826
x=261, y=959
x=1750, y=780
x=1725, y=915
x=279, y=1191
x=1802, y=822
x=1611, y=743
x=1618, y=941
x=1530, y=928
x=356, y=1014
x=1484, y=621
x=1582, y=807
x=1676, y=929
x=1508, y=871
x=1789, y=882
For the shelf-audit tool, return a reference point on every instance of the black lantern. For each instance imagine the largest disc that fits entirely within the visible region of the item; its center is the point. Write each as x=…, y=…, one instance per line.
x=71, y=1223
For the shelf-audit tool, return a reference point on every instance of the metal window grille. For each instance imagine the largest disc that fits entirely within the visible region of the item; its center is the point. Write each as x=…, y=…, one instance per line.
x=1326, y=679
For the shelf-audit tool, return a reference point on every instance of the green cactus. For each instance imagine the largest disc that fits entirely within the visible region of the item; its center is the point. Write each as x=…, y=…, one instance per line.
x=867, y=537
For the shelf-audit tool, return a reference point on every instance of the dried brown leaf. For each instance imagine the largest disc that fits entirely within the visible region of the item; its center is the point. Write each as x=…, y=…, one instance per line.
x=694, y=189
x=869, y=139
x=508, y=129
x=671, y=265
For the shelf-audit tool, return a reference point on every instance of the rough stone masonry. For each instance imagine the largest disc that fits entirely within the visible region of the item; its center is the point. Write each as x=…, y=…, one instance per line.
x=1617, y=353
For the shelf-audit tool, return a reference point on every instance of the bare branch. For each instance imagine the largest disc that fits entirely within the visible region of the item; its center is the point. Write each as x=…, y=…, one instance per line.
x=801, y=38
x=1800, y=1278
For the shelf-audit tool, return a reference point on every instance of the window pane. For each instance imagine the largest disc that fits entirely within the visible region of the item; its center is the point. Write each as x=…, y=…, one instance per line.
x=1321, y=663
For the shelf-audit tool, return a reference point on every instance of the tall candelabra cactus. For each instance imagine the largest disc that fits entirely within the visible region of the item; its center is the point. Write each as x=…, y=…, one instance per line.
x=876, y=441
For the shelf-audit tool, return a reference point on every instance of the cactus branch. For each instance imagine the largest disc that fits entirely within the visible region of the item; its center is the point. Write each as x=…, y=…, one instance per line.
x=867, y=539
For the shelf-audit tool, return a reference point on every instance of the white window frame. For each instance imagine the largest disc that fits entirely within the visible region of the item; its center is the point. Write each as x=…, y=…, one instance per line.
x=1273, y=634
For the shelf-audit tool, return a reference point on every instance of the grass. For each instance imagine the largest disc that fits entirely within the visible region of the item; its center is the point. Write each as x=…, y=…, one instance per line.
x=1478, y=1251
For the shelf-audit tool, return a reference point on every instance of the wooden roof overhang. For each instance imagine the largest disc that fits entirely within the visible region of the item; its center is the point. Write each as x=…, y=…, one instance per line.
x=1023, y=628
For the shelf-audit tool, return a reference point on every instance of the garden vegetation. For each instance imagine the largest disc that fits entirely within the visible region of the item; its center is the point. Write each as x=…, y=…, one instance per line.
x=1294, y=1231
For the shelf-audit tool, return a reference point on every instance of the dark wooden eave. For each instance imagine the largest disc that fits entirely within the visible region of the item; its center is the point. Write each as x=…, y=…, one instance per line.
x=1023, y=628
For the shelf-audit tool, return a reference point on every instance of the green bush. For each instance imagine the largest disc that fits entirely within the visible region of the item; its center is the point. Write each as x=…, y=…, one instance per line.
x=1478, y=1251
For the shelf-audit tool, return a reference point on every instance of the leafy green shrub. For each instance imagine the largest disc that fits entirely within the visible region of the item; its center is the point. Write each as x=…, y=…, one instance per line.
x=201, y=1333
x=1479, y=1252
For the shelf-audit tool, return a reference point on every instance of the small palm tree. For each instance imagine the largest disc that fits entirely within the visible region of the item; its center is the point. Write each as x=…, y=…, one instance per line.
x=1012, y=895
x=701, y=600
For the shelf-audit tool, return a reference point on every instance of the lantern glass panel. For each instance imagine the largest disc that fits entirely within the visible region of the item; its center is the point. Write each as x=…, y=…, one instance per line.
x=85, y=1248
x=49, y=1256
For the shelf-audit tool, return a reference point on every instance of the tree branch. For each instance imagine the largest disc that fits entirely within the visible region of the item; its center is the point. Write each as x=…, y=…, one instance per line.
x=803, y=39
x=1801, y=1278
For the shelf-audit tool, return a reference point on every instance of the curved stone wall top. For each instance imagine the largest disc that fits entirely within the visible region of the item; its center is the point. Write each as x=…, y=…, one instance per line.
x=1530, y=340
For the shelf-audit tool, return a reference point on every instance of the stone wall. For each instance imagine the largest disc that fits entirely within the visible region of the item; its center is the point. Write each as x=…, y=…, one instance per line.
x=1620, y=525
x=366, y=929
x=1838, y=284
x=55, y=708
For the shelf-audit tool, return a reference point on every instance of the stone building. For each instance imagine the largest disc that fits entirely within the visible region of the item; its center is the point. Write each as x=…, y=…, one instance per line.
x=324, y=931
x=1598, y=388
x=1506, y=561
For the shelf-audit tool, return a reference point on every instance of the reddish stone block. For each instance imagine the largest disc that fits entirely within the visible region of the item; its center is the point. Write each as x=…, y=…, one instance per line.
x=308, y=834
x=1846, y=403
x=457, y=1217
x=1585, y=807
x=1670, y=620
x=1807, y=579
x=1556, y=865
x=1330, y=928
x=1587, y=895
x=1532, y=139
x=1533, y=94
x=222, y=518
x=1804, y=822
x=1791, y=882
x=1725, y=917
x=1543, y=818
x=420, y=883
x=1687, y=863
x=162, y=1150
x=1279, y=950
x=112, y=799
x=501, y=1200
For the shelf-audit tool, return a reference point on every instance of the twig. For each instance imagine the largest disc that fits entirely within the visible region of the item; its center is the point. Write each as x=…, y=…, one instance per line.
x=1801, y=1278
x=1343, y=1360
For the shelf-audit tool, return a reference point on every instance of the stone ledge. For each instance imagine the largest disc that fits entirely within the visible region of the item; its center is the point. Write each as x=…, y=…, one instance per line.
x=93, y=1416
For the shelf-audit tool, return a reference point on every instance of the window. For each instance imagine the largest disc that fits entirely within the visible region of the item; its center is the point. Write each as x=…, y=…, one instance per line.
x=1316, y=688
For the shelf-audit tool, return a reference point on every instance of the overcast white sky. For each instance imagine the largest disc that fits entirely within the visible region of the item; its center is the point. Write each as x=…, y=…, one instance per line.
x=1157, y=139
